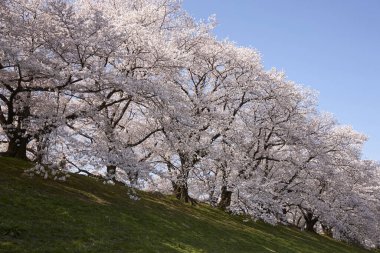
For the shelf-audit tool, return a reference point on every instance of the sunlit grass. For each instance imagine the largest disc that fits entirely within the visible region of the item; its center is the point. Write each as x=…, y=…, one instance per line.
x=84, y=215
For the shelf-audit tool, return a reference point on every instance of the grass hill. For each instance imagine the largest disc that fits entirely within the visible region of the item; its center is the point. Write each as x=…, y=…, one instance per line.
x=84, y=215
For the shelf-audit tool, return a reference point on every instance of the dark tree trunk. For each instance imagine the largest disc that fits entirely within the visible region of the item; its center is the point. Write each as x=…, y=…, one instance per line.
x=17, y=146
x=310, y=225
x=181, y=192
x=225, y=198
x=310, y=221
x=18, y=140
x=111, y=172
x=180, y=187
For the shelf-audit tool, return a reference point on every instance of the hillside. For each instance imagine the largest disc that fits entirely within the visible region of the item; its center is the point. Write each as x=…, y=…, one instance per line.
x=84, y=215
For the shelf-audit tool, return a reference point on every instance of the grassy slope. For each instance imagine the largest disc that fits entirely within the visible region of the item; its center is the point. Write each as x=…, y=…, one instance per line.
x=83, y=215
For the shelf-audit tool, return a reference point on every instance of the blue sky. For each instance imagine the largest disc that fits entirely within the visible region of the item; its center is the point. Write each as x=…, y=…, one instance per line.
x=332, y=46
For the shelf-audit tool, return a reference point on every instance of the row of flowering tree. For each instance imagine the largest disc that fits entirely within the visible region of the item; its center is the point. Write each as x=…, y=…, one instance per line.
x=138, y=92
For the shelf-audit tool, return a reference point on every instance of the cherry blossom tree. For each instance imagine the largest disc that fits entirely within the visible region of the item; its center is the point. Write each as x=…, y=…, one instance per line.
x=138, y=91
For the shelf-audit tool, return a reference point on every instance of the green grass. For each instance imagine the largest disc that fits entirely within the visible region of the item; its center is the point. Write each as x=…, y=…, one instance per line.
x=84, y=215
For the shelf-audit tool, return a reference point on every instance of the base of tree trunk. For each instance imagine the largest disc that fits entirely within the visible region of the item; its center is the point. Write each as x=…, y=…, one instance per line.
x=225, y=198
x=111, y=172
x=181, y=192
x=16, y=149
x=310, y=222
x=17, y=144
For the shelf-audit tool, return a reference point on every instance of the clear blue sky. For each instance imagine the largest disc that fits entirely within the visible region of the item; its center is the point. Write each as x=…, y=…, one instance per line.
x=332, y=46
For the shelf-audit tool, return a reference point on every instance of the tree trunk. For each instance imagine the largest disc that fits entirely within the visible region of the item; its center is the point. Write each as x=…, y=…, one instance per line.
x=310, y=225
x=225, y=198
x=17, y=147
x=111, y=172
x=181, y=192
x=310, y=222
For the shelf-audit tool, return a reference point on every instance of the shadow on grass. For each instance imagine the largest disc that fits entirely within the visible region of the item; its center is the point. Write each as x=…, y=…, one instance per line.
x=84, y=215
